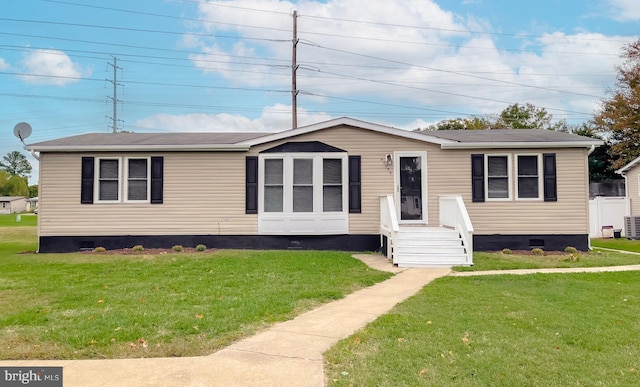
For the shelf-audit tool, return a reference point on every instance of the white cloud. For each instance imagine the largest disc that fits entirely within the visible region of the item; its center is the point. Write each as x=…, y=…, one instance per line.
x=4, y=65
x=273, y=119
x=437, y=67
x=625, y=10
x=50, y=67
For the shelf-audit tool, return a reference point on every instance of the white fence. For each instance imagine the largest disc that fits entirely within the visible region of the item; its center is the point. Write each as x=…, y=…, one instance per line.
x=605, y=211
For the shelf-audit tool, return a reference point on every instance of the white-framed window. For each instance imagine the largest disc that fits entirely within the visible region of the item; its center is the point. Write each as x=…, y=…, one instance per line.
x=303, y=193
x=122, y=179
x=108, y=179
x=497, y=177
x=529, y=181
x=138, y=183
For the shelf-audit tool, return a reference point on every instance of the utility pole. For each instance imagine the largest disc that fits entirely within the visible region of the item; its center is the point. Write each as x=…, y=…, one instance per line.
x=115, y=93
x=294, y=68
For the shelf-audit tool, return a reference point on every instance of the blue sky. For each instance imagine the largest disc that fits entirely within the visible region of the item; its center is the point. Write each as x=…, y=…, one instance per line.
x=226, y=65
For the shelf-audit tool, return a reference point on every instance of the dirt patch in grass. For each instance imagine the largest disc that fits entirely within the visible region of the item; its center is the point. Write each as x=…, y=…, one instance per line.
x=150, y=251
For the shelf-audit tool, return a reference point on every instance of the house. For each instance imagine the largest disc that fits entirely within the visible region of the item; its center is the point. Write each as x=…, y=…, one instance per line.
x=424, y=198
x=12, y=204
x=631, y=174
x=32, y=204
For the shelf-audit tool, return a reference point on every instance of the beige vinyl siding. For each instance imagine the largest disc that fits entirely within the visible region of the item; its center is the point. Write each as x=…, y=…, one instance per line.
x=203, y=194
x=632, y=182
x=569, y=215
x=375, y=177
x=449, y=172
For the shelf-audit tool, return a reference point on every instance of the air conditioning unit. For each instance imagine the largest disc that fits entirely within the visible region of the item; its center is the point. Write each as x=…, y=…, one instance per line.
x=632, y=227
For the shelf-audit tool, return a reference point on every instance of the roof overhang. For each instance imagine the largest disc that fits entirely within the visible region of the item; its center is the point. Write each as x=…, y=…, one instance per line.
x=521, y=145
x=624, y=169
x=141, y=148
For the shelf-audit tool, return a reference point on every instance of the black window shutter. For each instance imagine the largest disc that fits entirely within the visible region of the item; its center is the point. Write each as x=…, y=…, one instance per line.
x=550, y=186
x=355, y=187
x=86, y=187
x=477, y=177
x=157, y=177
x=251, y=184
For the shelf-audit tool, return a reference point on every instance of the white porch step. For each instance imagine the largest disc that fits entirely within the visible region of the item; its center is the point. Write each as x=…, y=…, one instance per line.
x=428, y=247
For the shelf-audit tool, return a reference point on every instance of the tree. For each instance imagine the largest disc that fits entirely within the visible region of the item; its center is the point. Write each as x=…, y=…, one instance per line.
x=618, y=118
x=16, y=164
x=527, y=116
x=472, y=122
x=13, y=185
x=515, y=116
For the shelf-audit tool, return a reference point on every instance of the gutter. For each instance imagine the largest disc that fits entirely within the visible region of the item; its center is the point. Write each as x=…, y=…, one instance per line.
x=140, y=148
x=525, y=145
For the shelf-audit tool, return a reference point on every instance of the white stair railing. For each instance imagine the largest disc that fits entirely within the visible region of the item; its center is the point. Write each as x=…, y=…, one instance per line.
x=453, y=214
x=389, y=224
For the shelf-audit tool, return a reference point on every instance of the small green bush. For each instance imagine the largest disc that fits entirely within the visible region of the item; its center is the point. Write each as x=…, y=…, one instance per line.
x=99, y=249
x=178, y=248
x=537, y=251
x=138, y=248
x=571, y=250
x=507, y=251
x=201, y=247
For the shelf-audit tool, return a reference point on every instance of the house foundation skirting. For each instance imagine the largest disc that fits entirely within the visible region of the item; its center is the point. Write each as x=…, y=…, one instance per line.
x=548, y=242
x=64, y=244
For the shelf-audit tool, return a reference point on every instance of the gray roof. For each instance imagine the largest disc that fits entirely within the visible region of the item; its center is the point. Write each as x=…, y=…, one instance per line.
x=505, y=135
x=10, y=198
x=243, y=141
x=174, y=139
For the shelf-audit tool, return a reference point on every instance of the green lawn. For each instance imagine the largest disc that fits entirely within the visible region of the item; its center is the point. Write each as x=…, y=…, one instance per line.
x=499, y=261
x=11, y=220
x=503, y=330
x=60, y=306
x=618, y=244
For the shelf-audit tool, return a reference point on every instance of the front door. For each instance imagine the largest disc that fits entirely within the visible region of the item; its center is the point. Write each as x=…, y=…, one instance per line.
x=411, y=184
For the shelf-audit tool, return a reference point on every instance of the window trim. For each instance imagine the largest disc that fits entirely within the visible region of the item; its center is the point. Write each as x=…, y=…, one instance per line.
x=540, y=177
x=317, y=222
x=126, y=178
x=318, y=185
x=99, y=180
x=509, y=176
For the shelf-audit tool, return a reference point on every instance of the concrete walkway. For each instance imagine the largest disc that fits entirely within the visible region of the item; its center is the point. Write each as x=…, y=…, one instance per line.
x=287, y=354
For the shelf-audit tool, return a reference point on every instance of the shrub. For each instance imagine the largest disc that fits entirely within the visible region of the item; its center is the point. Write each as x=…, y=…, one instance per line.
x=138, y=248
x=178, y=248
x=201, y=247
x=99, y=249
x=537, y=251
x=571, y=250
x=507, y=251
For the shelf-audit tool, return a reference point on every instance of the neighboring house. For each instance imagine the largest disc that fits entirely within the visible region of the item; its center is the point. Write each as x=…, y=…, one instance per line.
x=631, y=174
x=32, y=204
x=342, y=184
x=12, y=204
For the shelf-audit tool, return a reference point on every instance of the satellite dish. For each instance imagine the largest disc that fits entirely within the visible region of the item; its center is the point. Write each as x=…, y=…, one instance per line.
x=22, y=130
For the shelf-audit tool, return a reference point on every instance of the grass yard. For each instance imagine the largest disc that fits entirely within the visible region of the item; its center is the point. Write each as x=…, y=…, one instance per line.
x=617, y=243
x=503, y=330
x=26, y=220
x=83, y=306
x=500, y=261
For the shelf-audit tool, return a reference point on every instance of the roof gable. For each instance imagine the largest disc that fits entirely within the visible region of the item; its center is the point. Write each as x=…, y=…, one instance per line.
x=628, y=166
